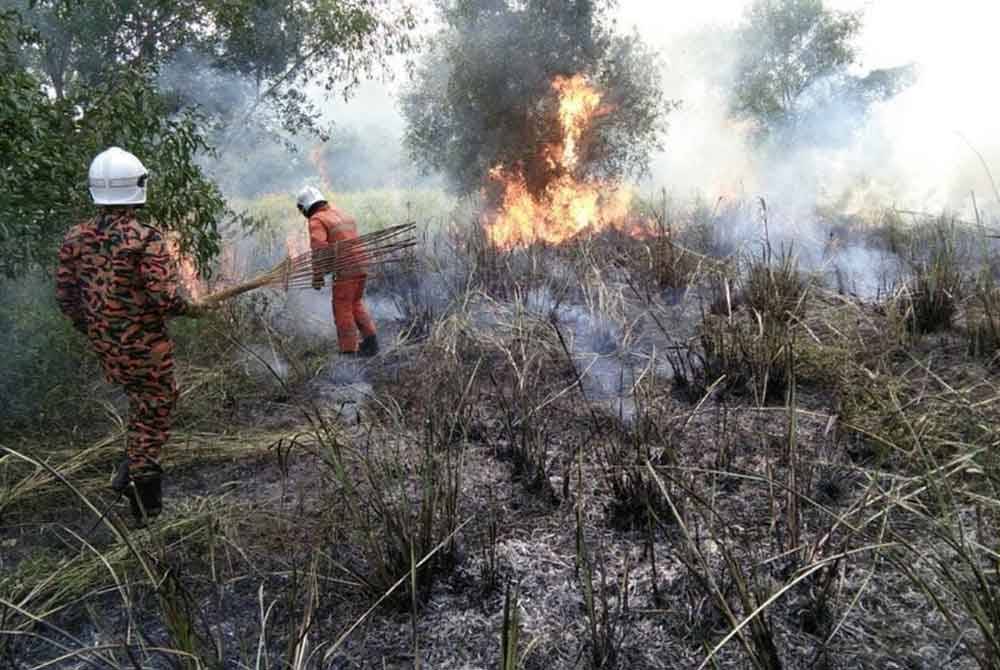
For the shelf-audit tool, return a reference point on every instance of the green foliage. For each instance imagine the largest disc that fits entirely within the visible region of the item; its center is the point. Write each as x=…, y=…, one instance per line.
x=48, y=144
x=81, y=76
x=483, y=95
x=795, y=57
x=279, y=46
x=46, y=370
x=285, y=46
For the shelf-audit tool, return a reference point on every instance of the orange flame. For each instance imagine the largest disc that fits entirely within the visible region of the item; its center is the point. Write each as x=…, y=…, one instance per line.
x=579, y=105
x=316, y=158
x=187, y=272
x=569, y=205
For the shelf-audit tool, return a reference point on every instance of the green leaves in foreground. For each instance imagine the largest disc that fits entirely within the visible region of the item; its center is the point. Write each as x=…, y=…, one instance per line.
x=47, y=145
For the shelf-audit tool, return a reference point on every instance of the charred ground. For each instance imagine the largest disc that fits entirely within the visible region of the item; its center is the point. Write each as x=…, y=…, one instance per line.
x=604, y=454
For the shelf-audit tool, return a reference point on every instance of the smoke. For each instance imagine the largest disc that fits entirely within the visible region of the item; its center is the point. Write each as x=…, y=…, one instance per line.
x=914, y=151
x=354, y=144
x=263, y=364
x=596, y=344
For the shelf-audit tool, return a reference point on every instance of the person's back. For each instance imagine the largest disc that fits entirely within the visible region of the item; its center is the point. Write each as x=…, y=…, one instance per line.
x=331, y=232
x=116, y=283
x=329, y=226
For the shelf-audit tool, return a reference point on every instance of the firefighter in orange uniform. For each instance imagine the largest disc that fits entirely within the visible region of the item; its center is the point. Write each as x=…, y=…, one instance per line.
x=118, y=285
x=329, y=226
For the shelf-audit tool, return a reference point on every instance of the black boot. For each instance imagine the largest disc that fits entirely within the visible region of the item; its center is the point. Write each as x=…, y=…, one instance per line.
x=143, y=489
x=120, y=482
x=369, y=346
x=146, y=493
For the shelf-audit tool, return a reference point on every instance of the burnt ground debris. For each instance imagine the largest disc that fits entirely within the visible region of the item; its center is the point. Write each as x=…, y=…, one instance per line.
x=527, y=427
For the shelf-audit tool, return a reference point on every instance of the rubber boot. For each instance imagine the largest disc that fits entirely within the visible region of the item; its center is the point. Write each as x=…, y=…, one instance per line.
x=120, y=482
x=146, y=494
x=369, y=346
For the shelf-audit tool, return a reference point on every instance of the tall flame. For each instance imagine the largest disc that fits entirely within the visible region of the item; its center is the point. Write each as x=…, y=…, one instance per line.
x=316, y=158
x=569, y=205
x=579, y=105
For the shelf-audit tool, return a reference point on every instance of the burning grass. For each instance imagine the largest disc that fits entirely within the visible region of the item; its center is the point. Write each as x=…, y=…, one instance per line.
x=517, y=480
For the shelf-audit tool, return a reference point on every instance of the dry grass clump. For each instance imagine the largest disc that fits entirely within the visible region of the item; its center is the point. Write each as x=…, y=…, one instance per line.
x=671, y=265
x=931, y=299
x=774, y=288
x=946, y=514
x=605, y=603
x=983, y=317
x=907, y=408
x=747, y=338
x=636, y=501
x=139, y=571
x=680, y=248
x=398, y=501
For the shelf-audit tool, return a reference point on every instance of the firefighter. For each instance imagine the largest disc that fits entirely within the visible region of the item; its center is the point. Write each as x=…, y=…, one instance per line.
x=329, y=226
x=118, y=284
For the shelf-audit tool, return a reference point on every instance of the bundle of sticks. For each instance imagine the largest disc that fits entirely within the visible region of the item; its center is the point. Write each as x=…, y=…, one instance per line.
x=369, y=254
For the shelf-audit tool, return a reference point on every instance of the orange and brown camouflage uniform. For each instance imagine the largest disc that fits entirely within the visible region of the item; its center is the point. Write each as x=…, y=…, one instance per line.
x=118, y=284
x=329, y=225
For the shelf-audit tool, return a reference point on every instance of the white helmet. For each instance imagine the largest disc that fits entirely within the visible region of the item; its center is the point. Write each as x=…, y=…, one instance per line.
x=308, y=197
x=117, y=178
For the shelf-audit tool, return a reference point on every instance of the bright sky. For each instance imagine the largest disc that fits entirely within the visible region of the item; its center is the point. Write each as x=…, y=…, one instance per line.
x=957, y=95
x=954, y=42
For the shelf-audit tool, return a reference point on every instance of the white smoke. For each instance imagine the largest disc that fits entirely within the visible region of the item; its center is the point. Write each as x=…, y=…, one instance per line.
x=914, y=151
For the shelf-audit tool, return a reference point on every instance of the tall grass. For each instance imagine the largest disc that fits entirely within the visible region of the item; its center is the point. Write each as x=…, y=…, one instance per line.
x=931, y=298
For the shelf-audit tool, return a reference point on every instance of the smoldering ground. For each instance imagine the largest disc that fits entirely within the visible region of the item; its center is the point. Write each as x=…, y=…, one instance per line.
x=259, y=515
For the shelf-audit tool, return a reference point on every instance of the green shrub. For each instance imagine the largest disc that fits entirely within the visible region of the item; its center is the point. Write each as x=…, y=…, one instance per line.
x=48, y=371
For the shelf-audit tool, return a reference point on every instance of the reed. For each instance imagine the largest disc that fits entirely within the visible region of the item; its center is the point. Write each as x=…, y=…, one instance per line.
x=366, y=253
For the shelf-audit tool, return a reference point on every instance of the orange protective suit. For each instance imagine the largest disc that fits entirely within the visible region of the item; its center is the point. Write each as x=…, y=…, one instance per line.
x=328, y=226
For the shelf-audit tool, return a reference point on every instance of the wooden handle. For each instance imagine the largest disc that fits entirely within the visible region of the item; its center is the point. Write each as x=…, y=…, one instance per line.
x=233, y=291
x=276, y=273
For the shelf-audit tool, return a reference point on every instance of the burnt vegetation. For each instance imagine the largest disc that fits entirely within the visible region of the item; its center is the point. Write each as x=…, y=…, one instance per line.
x=528, y=463
x=691, y=443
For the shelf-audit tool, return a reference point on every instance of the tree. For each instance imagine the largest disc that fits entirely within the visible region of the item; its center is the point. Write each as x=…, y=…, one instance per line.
x=80, y=76
x=483, y=95
x=793, y=76
x=47, y=144
x=279, y=47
